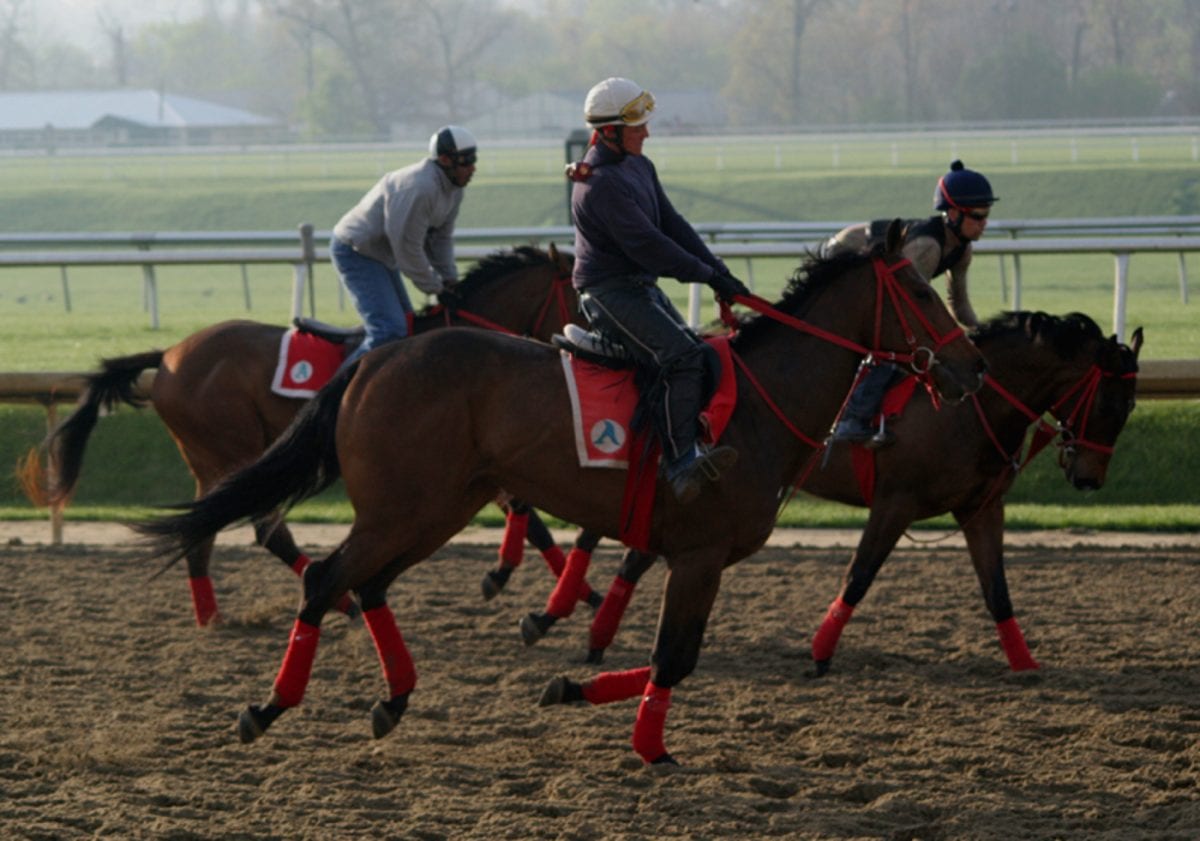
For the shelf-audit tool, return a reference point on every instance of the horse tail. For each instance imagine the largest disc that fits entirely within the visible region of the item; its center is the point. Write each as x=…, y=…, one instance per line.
x=116, y=382
x=302, y=462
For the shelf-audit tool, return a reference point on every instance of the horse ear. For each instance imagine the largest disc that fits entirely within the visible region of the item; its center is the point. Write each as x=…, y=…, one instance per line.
x=552, y=250
x=1135, y=342
x=894, y=236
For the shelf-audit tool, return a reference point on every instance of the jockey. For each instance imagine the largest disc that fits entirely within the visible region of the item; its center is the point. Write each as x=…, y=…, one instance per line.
x=937, y=245
x=627, y=235
x=404, y=224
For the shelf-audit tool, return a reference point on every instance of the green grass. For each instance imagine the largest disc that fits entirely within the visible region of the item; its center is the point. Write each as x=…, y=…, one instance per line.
x=132, y=462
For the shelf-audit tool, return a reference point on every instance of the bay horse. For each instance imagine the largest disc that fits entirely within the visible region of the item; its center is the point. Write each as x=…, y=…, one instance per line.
x=960, y=460
x=213, y=392
x=425, y=432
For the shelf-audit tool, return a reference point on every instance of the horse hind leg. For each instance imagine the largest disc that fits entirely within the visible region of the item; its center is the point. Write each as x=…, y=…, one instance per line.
x=272, y=533
x=398, y=669
x=612, y=609
x=204, y=598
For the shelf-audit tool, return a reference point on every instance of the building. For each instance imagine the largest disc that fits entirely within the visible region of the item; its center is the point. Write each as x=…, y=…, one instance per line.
x=59, y=119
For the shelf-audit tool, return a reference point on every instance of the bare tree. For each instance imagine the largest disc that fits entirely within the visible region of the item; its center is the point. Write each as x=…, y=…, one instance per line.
x=12, y=49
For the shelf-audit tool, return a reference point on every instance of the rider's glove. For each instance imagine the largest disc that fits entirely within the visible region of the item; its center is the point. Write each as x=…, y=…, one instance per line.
x=728, y=287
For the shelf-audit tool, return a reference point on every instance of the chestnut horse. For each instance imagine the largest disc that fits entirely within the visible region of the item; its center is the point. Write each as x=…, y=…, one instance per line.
x=424, y=432
x=213, y=391
x=961, y=460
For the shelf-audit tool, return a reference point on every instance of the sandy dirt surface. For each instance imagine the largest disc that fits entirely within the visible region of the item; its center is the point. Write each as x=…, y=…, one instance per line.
x=117, y=713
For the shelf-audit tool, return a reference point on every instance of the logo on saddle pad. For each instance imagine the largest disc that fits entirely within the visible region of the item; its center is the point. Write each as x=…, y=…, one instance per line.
x=301, y=372
x=306, y=362
x=608, y=435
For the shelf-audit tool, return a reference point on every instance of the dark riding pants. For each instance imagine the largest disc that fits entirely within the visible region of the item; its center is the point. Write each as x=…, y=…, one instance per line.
x=645, y=322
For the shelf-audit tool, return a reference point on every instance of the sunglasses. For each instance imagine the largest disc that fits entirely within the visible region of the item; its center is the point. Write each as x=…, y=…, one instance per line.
x=466, y=159
x=635, y=110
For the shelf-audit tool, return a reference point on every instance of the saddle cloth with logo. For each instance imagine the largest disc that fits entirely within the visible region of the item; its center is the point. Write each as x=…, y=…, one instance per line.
x=603, y=401
x=306, y=362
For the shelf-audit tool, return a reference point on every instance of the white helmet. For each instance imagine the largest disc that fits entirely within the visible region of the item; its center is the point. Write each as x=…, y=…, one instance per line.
x=454, y=141
x=617, y=102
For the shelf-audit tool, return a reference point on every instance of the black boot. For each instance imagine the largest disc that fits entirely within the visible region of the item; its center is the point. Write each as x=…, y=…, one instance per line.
x=688, y=473
x=857, y=422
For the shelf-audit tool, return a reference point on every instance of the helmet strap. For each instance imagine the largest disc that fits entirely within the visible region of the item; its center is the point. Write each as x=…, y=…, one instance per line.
x=613, y=137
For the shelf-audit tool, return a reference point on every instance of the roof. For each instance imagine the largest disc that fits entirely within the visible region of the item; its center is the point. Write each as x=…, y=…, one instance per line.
x=149, y=108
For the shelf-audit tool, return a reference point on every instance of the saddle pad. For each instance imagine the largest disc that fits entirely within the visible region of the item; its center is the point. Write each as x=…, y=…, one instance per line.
x=603, y=401
x=306, y=362
x=894, y=402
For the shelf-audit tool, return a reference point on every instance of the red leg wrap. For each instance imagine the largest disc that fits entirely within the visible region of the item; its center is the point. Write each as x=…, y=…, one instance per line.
x=826, y=638
x=300, y=564
x=566, y=592
x=651, y=717
x=512, y=545
x=397, y=663
x=204, y=600
x=555, y=559
x=607, y=687
x=293, y=675
x=608, y=617
x=1013, y=642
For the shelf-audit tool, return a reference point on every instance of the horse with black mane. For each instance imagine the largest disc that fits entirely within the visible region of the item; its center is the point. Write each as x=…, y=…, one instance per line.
x=961, y=459
x=417, y=469
x=214, y=392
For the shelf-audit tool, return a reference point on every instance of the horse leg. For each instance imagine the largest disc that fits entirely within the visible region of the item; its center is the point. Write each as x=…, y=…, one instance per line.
x=396, y=662
x=204, y=600
x=321, y=591
x=691, y=590
x=984, y=533
x=608, y=618
x=273, y=534
x=561, y=602
x=512, y=548
x=886, y=523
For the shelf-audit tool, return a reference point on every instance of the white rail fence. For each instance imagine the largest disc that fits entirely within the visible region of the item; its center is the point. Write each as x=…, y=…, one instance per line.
x=304, y=248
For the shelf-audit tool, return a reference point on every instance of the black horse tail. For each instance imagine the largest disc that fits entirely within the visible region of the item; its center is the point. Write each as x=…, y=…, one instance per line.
x=116, y=382
x=301, y=463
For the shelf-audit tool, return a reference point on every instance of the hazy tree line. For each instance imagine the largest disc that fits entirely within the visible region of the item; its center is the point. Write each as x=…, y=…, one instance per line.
x=342, y=68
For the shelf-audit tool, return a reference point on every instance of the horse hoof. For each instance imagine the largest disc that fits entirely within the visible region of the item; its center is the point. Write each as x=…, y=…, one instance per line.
x=385, y=715
x=820, y=668
x=595, y=656
x=665, y=759
x=594, y=600
x=494, y=581
x=535, y=625
x=251, y=724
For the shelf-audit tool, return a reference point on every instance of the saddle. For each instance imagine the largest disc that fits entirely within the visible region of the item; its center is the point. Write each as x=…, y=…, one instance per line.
x=330, y=332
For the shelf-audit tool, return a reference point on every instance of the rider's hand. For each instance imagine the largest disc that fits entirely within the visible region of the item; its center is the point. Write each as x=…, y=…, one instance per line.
x=728, y=287
x=450, y=297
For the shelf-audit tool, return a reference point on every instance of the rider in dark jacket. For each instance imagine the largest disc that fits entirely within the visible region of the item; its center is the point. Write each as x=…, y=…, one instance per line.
x=627, y=235
x=937, y=245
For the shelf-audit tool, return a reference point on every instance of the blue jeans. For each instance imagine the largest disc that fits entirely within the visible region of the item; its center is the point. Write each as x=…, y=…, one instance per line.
x=378, y=294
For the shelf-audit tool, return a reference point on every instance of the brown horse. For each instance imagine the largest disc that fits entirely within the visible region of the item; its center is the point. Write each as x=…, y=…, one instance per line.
x=419, y=459
x=961, y=460
x=213, y=391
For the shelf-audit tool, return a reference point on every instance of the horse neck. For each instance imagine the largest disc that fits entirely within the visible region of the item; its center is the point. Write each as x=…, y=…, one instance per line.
x=1031, y=372
x=527, y=303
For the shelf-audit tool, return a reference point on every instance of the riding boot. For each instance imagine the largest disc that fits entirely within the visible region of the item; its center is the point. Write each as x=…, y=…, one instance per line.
x=692, y=463
x=687, y=474
x=857, y=422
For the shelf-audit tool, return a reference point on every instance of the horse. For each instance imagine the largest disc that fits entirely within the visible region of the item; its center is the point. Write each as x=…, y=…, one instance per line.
x=417, y=469
x=213, y=392
x=960, y=460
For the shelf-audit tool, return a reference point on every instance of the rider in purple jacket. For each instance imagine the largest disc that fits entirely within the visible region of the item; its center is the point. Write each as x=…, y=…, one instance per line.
x=627, y=235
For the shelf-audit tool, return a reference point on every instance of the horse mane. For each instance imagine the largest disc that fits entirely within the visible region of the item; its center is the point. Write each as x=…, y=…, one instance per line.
x=1067, y=335
x=815, y=272
x=500, y=264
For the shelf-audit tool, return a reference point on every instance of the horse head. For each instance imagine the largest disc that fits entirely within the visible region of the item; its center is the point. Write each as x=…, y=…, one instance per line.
x=939, y=351
x=1093, y=416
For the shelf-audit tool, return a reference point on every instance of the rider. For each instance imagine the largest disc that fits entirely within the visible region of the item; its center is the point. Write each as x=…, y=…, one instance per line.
x=627, y=235
x=939, y=244
x=405, y=223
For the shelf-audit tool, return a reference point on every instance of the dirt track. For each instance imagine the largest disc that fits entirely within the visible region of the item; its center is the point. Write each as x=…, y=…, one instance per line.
x=117, y=713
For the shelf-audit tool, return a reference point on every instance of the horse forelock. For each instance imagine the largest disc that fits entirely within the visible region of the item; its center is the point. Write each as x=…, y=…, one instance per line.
x=501, y=264
x=1067, y=335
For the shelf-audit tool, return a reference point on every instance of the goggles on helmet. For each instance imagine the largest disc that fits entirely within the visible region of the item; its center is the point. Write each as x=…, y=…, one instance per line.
x=633, y=113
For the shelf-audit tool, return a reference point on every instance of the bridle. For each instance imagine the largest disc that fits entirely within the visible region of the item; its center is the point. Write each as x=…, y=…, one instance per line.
x=919, y=358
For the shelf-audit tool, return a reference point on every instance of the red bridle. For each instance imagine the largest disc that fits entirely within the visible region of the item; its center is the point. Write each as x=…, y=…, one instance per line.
x=556, y=295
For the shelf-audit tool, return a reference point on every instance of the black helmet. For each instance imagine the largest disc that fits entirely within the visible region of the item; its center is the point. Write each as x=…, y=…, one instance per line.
x=962, y=187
